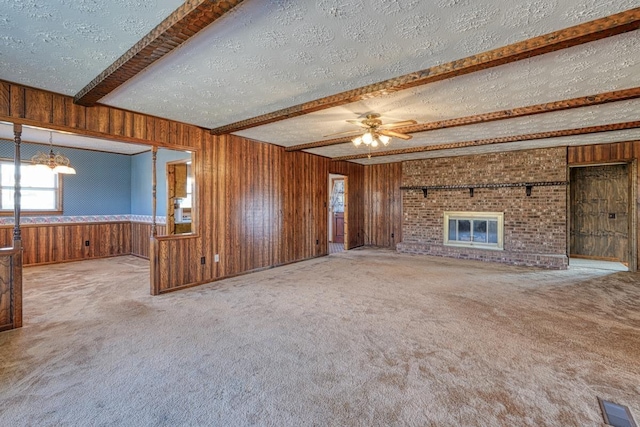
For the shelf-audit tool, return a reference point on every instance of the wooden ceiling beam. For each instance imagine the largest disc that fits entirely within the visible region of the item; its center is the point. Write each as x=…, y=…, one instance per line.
x=567, y=104
x=500, y=140
x=583, y=33
x=186, y=21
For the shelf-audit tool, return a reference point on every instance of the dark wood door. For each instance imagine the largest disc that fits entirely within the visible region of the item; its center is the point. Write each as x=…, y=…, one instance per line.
x=338, y=227
x=600, y=212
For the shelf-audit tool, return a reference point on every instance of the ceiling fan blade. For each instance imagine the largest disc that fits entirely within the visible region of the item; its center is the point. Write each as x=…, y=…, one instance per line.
x=398, y=124
x=354, y=132
x=357, y=123
x=394, y=134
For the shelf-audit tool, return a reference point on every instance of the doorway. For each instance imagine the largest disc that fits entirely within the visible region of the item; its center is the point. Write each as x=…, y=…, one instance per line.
x=337, y=227
x=600, y=213
x=179, y=175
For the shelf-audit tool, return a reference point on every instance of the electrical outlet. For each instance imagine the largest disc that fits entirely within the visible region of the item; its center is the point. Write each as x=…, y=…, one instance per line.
x=202, y=260
x=216, y=257
x=86, y=243
x=317, y=242
x=392, y=235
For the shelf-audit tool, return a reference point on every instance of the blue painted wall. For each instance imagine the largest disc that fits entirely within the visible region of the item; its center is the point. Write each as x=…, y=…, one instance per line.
x=141, y=180
x=141, y=184
x=102, y=185
x=107, y=183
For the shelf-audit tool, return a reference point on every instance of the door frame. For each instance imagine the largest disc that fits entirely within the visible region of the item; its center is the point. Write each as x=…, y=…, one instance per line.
x=333, y=177
x=632, y=222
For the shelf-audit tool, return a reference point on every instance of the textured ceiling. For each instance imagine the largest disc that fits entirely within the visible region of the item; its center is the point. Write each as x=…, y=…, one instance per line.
x=600, y=66
x=61, y=45
x=266, y=55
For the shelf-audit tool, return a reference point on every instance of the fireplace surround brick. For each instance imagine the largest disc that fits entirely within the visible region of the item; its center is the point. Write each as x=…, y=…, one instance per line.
x=535, y=226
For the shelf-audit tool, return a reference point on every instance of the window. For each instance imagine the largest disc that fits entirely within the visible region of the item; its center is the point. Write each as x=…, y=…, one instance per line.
x=337, y=195
x=474, y=229
x=40, y=189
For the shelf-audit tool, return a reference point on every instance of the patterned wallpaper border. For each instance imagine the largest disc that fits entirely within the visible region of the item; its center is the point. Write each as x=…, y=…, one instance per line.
x=81, y=219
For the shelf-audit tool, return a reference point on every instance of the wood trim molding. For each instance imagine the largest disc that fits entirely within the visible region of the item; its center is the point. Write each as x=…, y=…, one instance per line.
x=603, y=153
x=567, y=104
x=500, y=140
x=66, y=224
x=186, y=21
x=583, y=33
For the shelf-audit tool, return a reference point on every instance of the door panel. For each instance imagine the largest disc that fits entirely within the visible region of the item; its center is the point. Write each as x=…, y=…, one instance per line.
x=338, y=227
x=600, y=212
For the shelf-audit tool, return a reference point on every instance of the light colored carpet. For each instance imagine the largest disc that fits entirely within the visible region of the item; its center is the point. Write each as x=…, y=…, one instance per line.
x=362, y=338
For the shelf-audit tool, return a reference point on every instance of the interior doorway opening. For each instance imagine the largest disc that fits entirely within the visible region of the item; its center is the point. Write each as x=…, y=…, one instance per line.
x=337, y=217
x=600, y=220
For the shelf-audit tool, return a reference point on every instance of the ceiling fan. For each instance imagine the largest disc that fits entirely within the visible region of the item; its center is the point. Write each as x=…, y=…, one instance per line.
x=376, y=132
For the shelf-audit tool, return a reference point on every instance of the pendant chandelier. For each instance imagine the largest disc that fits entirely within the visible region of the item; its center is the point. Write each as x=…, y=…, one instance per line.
x=55, y=162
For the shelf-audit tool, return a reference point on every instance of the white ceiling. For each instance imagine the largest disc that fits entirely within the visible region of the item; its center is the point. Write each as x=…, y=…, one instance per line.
x=61, y=45
x=272, y=54
x=601, y=66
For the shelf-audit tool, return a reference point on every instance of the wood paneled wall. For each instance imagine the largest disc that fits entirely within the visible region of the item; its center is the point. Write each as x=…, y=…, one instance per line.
x=610, y=153
x=37, y=107
x=603, y=153
x=141, y=235
x=257, y=205
x=6, y=317
x=383, y=204
x=267, y=207
x=54, y=243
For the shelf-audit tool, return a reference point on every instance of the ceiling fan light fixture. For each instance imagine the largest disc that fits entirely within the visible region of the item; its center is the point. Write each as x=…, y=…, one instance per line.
x=376, y=133
x=367, y=138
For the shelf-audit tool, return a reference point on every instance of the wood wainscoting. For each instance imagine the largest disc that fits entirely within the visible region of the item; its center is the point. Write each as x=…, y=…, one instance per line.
x=140, y=235
x=55, y=243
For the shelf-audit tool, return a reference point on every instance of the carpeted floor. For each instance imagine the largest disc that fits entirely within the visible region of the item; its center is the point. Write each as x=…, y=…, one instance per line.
x=361, y=338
